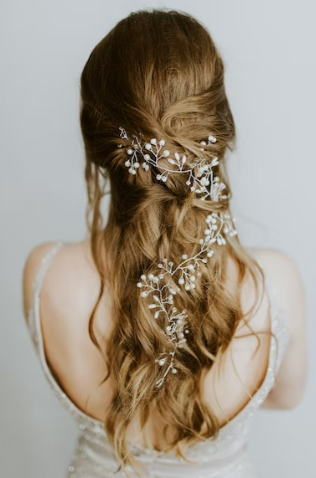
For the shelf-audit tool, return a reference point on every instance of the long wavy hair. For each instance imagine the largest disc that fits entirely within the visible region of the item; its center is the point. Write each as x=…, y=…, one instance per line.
x=158, y=73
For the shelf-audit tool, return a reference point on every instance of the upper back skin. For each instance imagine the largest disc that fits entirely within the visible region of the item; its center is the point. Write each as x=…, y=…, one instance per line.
x=69, y=293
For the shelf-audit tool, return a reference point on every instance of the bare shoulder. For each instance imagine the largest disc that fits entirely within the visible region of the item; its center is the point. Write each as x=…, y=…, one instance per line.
x=282, y=272
x=280, y=268
x=68, y=281
x=276, y=260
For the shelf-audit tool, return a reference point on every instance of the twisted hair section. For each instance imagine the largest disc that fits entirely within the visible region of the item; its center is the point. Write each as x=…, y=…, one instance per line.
x=149, y=76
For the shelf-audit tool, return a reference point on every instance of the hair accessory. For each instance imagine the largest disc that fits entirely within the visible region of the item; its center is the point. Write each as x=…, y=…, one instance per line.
x=203, y=182
x=218, y=226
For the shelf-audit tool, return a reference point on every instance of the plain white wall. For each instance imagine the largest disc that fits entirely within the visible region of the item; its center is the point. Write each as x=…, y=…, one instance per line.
x=268, y=48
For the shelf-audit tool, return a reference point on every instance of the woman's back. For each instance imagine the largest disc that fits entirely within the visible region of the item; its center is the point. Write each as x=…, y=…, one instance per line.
x=68, y=295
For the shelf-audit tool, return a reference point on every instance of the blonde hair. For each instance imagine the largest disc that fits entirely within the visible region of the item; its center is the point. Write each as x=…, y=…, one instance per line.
x=158, y=72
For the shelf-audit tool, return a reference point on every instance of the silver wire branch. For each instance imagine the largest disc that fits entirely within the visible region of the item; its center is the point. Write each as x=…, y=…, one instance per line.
x=186, y=272
x=202, y=181
x=150, y=153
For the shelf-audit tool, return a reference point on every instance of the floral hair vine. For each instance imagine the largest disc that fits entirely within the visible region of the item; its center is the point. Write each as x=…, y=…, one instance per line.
x=218, y=226
x=151, y=153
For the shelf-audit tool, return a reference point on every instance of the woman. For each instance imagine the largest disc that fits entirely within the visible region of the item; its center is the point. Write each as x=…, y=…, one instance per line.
x=161, y=333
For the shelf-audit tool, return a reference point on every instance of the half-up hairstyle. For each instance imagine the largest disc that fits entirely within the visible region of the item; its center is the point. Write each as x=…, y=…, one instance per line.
x=158, y=75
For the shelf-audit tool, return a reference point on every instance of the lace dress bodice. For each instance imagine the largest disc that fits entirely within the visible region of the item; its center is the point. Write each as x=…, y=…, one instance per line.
x=225, y=457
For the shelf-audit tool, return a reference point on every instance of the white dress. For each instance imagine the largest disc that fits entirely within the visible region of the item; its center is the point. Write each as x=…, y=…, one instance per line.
x=225, y=457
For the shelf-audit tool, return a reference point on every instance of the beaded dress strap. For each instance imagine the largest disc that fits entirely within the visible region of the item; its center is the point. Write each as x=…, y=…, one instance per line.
x=33, y=314
x=45, y=263
x=279, y=323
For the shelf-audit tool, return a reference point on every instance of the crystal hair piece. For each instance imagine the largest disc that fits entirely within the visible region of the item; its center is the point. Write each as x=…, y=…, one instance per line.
x=203, y=183
x=218, y=226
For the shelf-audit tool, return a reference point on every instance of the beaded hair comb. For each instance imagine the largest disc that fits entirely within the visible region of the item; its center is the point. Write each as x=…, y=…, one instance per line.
x=218, y=225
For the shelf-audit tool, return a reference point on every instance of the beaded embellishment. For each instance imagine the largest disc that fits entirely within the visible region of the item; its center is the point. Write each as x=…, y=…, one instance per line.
x=203, y=182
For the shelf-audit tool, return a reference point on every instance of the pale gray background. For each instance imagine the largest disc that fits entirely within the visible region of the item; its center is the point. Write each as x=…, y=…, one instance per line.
x=269, y=50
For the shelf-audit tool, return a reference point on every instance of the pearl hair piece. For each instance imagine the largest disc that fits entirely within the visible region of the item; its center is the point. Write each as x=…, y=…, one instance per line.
x=203, y=182
x=218, y=226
